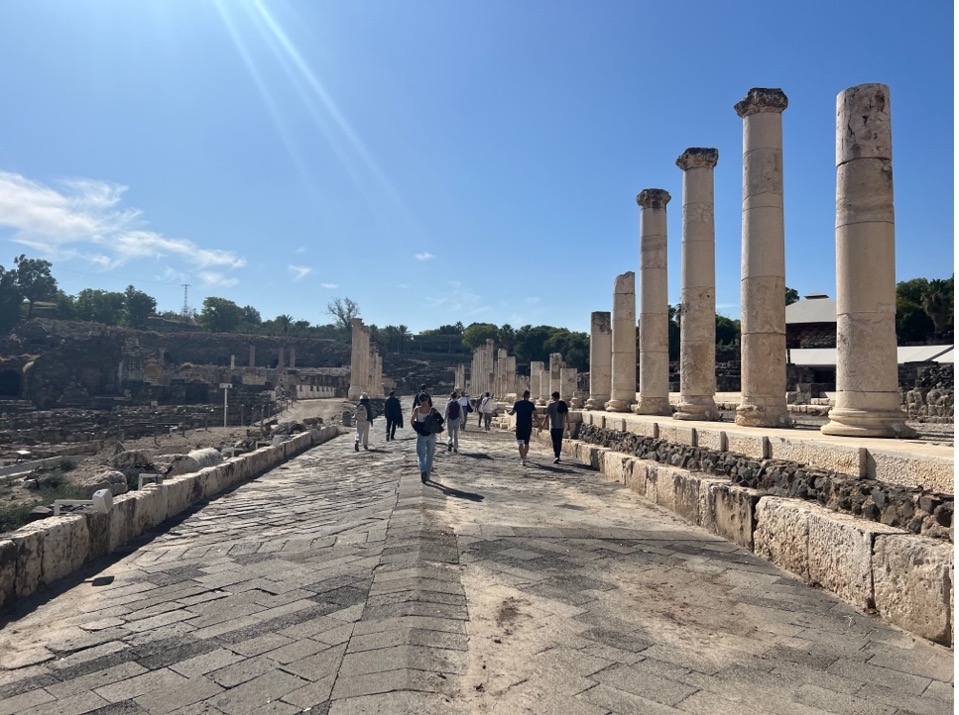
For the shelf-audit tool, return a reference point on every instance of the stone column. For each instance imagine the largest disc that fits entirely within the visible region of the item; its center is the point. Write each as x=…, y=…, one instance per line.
x=697, y=340
x=511, y=373
x=567, y=383
x=459, y=377
x=252, y=356
x=623, y=355
x=653, y=305
x=279, y=359
x=359, y=358
x=867, y=370
x=293, y=357
x=542, y=388
x=763, y=351
x=600, y=349
x=556, y=364
x=536, y=368
x=375, y=385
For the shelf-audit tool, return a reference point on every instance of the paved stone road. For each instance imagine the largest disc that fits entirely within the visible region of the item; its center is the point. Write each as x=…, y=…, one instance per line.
x=339, y=584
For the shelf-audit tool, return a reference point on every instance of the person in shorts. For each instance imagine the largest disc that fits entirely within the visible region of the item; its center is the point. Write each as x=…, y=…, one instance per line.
x=524, y=410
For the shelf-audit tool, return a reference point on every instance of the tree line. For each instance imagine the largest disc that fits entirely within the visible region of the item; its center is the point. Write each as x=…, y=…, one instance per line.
x=924, y=313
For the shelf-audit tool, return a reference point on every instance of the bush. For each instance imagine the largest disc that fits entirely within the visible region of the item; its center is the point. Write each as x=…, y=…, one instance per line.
x=14, y=516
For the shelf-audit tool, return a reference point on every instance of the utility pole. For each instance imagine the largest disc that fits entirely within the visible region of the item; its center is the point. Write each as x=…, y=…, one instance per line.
x=185, y=312
x=225, y=386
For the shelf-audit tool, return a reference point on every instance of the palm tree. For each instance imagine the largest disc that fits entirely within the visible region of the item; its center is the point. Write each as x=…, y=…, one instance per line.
x=283, y=323
x=936, y=301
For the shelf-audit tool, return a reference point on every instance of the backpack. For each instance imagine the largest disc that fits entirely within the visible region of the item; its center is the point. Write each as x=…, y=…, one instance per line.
x=454, y=410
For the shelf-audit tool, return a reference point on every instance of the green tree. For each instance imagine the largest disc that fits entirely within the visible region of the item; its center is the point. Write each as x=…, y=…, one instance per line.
x=100, y=306
x=35, y=280
x=727, y=331
x=937, y=301
x=137, y=308
x=529, y=343
x=220, y=315
x=792, y=295
x=395, y=338
x=251, y=317
x=476, y=334
x=283, y=324
x=11, y=298
x=506, y=338
x=66, y=306
x=573, y=346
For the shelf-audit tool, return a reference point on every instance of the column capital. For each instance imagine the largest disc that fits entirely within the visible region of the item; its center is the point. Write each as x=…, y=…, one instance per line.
x=653, y=198
x=760, y=99
x=697, y=157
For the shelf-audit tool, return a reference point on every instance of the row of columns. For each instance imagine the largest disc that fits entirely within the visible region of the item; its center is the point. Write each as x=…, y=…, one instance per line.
x=867, y=378
x=366, y=364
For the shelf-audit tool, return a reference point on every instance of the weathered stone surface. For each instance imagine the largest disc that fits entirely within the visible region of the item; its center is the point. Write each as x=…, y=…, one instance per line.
x=132, y=459
x=782, y=534
x=913, y=580
x=8, y=571
x=66, y=543
x=194, y=461
x=115, y=481
x=728, y=511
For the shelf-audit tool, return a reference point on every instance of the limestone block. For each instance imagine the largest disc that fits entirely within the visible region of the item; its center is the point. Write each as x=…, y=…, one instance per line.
x=182, y=493
x=210, y=481
x=666, y=486
x=714, y=439
x=782, y=534
x=149, y=510
x=748, y=445
x=913, y=580
x=28, y=541
x=132, y=458
x=651, y=491
x=98, y=526
x=635, y=477
x=668, y=431
x=840, y=554
x=682, y=434
x=728, y=511
x=614, y=465
x=194, y=461
x=121, y=521
x=910, y=469
x=8, y=572
x=113, y=480
x=639, y=427
x=837, y=456
x=66, y=545
x=686, y=501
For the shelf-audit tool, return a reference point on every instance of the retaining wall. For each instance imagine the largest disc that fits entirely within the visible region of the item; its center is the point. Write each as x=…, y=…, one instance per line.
x=40, y=553
x=906, y=579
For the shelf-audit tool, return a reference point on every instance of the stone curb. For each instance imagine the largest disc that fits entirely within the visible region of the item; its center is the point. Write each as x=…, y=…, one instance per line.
x=907, y=580
x=45, y=551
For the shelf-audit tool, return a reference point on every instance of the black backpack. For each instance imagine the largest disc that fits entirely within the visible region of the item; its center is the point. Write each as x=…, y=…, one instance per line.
x=454, y=410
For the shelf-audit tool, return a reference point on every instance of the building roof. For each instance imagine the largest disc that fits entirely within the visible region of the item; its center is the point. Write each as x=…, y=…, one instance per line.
x=826, y=357
x=814, y=308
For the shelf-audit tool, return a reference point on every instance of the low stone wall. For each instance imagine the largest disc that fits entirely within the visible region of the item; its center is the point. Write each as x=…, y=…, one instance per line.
x=915, y=509
x=904, y=578
x=38, y=554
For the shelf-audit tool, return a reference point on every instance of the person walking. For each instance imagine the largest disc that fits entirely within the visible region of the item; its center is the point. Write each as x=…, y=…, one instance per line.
x=364, y=418
x=465, y=408
x=557, y=414
x=524, y=410
x=421, y=420
x=394, y=415
x=485, y=409
x=452, y=413
x=416, y=398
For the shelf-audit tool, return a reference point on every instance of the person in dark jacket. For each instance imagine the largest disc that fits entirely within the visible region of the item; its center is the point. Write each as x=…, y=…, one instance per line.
x=394, y=415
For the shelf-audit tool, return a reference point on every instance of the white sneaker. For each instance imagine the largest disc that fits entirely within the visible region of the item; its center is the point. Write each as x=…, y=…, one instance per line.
x=555, y=460
x=523, y=462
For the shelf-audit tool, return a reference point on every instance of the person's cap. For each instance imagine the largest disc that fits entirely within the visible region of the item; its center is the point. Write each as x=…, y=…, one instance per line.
x=364, y=396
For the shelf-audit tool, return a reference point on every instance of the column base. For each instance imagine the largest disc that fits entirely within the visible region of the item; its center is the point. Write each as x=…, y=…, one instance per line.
x=596, y=403
x=753, y=415
x=703, y=410
x=652, y=406
x=617, y=406
x=354, y=392
x=846, y=422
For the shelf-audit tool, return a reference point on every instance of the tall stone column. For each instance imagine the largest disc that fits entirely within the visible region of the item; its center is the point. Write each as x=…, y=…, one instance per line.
x=867, y=371
x=459, y=377
x=653, y=305
x=556, y=364
x=697, y=340
x=600, y=355
x=359, y=358
x=293, y=357
x=763, y=352
x=623, y=355
x=536, y=368
x=567, y=383
x=252, y=356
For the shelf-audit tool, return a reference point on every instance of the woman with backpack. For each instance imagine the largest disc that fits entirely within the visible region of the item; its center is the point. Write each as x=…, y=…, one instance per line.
x=423, y=420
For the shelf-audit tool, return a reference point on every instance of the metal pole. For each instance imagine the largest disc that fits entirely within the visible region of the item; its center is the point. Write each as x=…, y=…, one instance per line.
x=225, y=390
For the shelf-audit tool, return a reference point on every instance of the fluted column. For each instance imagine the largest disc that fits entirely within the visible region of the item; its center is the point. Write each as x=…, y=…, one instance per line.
x=653, y=305
x=697, y=340
x=556, y=364
x=623, y=356
x=536, y=368
x=867, y=371
x=763, y=352
x=600, y=357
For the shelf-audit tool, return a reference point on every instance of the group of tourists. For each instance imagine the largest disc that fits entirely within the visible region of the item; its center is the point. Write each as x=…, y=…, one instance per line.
x=427, y=421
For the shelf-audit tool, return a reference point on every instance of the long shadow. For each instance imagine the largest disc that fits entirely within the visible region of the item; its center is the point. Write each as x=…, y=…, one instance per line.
x=475, y=455
x=453, y=492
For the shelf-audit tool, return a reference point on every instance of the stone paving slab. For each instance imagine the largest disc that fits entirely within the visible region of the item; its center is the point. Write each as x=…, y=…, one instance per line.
x=339, y=584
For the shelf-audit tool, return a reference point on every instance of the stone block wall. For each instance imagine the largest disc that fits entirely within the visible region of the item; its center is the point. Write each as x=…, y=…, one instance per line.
x=904, y=578
x=41, y=553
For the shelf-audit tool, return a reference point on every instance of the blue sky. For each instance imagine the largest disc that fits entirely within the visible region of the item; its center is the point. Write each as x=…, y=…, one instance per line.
x=439, y=161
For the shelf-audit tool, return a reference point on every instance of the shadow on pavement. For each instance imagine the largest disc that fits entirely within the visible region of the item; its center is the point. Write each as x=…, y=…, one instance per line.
x=475, y=455
x=452, y=492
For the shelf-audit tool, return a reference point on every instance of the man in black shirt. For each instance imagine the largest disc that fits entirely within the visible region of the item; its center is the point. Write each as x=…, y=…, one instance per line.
x=524, y=410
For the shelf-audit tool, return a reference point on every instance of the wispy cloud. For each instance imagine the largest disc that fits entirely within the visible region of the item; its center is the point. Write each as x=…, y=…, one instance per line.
x=299, y=272
x=83, y=218
x=329, y=285
x=423, y=256
x=458, y=300
x=213, y=278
